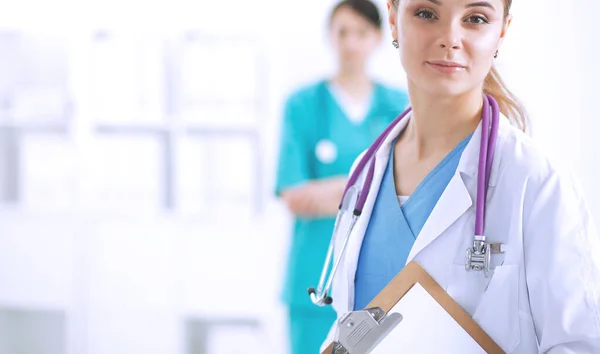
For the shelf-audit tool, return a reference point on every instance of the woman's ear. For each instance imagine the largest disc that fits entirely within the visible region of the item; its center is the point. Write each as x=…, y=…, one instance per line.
x=504, y=30
x=506, y=26
x=392, y=15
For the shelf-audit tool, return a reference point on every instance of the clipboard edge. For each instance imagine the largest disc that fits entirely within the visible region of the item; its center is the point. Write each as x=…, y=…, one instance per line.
x=412, y=274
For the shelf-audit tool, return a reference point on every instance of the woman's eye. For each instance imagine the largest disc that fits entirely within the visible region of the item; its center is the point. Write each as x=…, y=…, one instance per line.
x=425, y=14
x=478, y=20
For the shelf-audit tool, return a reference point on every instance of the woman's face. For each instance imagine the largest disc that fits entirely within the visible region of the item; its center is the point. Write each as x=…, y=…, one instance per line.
x=353, y=37
x=447, y=46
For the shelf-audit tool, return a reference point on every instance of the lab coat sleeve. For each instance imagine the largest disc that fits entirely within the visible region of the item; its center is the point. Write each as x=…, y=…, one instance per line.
x=562, y=267
x=294, y=152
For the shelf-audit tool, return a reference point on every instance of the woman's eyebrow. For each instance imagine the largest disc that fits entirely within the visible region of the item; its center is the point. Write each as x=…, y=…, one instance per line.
x=481, y=4
x=474, y=4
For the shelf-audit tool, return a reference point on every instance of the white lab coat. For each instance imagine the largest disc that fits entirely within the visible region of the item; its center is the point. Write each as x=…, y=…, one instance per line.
x=544, y=293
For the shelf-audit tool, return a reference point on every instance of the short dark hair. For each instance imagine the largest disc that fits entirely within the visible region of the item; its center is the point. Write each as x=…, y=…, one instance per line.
x=365, y=8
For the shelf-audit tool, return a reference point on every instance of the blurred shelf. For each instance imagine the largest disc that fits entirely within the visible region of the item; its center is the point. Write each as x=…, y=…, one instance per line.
x=188, y=128
x=35, y=127
x=131, y=128
x=222, y=131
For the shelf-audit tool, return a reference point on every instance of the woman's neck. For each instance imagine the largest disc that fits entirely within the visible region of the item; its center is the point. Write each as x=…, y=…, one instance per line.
x=357, y=84
x=439, y=123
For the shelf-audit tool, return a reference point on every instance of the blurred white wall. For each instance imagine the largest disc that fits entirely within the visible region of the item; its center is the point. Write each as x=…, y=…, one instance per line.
x=89, y=235
x=589, y=71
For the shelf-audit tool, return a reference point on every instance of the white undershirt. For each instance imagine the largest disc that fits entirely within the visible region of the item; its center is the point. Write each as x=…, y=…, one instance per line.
x=355, y=110
x=402, y=199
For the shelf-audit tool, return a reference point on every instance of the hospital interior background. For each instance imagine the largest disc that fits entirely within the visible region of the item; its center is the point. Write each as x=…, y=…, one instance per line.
x=138, y=144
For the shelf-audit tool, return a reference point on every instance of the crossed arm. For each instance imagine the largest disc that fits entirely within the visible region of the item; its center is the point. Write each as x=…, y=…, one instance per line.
x=315, y=198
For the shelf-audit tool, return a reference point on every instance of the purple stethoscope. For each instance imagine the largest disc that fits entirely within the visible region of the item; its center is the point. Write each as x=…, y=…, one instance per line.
x=478, y=257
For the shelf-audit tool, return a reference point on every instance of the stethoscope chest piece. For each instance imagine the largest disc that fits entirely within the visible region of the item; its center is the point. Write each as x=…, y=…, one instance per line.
x=326, y=151
x=479, y=256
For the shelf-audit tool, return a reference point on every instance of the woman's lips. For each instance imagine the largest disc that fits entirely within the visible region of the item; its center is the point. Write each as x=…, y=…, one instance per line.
x=446, y=67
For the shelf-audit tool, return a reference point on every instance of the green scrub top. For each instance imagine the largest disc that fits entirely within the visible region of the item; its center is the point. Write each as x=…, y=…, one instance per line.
x=318, y=141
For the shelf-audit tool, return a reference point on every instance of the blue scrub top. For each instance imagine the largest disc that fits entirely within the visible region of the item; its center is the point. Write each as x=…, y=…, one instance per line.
x=393, y=228
x=312, y=115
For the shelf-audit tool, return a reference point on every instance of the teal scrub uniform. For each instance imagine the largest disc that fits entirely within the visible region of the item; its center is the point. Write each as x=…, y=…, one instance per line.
x=319, y=141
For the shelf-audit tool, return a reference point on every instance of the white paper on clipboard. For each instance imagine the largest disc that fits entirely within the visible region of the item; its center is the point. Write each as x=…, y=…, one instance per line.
x=425, y=328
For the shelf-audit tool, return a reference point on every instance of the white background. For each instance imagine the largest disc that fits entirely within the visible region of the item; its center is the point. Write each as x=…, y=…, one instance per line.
x=90, y=237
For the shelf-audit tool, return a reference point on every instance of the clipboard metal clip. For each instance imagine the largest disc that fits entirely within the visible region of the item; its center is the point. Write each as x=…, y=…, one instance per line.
x=359, y=332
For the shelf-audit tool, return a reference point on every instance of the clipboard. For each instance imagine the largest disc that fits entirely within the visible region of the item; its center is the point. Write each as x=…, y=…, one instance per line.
x=375, y=322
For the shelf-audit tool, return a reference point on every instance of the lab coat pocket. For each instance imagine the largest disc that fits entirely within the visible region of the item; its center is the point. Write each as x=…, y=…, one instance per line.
x=498, y=310
x=492, y=301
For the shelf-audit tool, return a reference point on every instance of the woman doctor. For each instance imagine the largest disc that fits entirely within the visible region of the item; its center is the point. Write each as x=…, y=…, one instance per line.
x=325, y=127
x=543, y=292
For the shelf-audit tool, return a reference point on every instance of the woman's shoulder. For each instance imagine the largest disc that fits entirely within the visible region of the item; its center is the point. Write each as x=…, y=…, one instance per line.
x=392, y=94
x=521, y=151
x=305, y=92
x=391, y=89
x=300, y=105
x=524, y=159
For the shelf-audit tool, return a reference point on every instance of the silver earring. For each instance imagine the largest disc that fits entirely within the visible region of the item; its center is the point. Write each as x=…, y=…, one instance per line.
x=395, y=44
x=496, y=55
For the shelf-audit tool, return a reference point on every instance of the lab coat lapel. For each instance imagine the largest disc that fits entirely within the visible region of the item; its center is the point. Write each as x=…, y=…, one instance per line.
x=454, y=201
x=356, y=239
